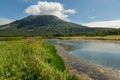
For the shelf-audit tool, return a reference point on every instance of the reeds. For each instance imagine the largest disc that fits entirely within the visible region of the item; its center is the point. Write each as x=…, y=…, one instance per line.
x=31, y=60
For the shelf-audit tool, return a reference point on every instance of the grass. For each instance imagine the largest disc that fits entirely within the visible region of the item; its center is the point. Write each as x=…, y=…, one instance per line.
x=56, y=60
x=110, y=37
x=31, y=59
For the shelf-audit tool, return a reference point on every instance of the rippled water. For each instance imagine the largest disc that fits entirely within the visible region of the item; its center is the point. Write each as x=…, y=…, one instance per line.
x=104, y=53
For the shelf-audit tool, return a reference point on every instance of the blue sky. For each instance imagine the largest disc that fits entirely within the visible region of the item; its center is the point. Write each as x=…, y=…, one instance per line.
x=98, y=13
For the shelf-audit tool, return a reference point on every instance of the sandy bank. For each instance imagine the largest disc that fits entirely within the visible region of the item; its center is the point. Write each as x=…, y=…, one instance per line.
x=85, y=70
x=91, y=38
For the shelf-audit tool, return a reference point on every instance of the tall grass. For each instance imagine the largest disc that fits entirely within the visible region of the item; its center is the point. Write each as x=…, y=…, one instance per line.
x=31, y=60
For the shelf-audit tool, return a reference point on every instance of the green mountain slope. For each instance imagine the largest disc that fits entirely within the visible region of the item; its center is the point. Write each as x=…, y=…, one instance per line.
x=43, y=25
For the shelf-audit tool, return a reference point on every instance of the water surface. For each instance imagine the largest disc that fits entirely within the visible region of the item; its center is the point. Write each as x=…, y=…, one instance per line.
x=103, y=53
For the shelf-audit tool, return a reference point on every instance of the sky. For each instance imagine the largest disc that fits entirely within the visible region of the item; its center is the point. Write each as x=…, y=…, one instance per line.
x=92, y=13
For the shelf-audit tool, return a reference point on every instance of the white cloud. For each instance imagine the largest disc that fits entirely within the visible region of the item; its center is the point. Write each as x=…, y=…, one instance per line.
x=5, y=21
x=107, y=24
x=50, y=8
x=92, y=17
x=71, y=11
x=91, y=11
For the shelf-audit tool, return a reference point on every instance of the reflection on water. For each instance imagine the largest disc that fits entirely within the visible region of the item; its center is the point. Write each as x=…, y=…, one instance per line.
x=104, y=53
x=100, y=52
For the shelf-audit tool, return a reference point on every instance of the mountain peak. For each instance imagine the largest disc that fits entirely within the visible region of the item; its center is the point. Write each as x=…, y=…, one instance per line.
x=47, y=17
x=38, y=21
x=41, y=16
x=44, y=25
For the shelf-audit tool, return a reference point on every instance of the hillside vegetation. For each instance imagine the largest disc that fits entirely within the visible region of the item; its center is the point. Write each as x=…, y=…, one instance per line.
x=31, y=59
x=44, y=25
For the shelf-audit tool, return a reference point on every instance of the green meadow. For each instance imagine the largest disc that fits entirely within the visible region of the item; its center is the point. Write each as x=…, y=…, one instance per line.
x=31, y=59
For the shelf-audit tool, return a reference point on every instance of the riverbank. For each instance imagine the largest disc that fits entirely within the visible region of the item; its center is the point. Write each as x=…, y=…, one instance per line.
x=31, y=59
x=114, y=37
x=85, y=70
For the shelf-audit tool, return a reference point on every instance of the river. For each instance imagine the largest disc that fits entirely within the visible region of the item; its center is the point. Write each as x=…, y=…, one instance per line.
x=100, y=52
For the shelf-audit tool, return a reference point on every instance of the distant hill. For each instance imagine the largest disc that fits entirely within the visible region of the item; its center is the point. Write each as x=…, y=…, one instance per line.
x=43, y=25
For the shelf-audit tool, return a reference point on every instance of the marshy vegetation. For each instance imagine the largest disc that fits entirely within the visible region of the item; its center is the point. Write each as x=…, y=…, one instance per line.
x=31, y=59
